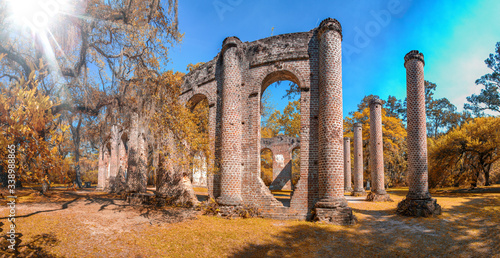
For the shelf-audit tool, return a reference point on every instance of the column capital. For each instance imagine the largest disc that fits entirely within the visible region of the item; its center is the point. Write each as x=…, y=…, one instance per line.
x=358, y=124
x=329, y=24
x=375, y=101
x=230, y=42
x=347, y=139
x=414, y=54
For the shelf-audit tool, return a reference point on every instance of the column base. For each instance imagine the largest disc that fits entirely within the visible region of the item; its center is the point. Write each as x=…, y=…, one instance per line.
x=376, y=197
x=229, y=200
x=333, y=202
x=348, y=189
x=336, y=216
x=358, y=192
x=418, y=208
x=334, y=211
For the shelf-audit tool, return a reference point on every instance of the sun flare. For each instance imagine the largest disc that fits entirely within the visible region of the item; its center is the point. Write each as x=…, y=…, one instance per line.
x=37, y=15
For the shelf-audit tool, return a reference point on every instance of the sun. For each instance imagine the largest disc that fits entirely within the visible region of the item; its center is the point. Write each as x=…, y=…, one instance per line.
x=37, y=15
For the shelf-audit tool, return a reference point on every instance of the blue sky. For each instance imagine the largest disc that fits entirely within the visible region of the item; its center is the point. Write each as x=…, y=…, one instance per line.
x=455, y=37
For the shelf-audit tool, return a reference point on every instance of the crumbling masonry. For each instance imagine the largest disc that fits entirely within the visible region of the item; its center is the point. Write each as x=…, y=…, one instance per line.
x=282, y=148
x=233, y=83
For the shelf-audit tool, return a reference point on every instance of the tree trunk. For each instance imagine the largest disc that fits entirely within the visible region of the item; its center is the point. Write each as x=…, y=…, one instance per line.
x=76, y=142
x=172, y=182
x=487, y=175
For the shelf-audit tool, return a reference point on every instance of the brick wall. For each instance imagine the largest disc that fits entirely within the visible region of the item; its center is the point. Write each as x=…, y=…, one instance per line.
x=281, y=148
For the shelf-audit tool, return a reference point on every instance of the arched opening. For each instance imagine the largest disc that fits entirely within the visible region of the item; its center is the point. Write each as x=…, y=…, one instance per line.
x=199, y=107
x=199, y=170
x=280, y=130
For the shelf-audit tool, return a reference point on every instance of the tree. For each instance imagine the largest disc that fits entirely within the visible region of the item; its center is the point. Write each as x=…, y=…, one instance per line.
x=99, y=59
x=465, y=153
x=489, y=98
x=441, y=113
x=181, y=132
x=286, y=123
x=28, y=124
x=441, y=116
x=394, y=107
x=295, y=166
x=266, y=166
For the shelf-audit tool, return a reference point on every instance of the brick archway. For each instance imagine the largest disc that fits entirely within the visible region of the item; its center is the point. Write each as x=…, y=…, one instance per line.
x=233, y=82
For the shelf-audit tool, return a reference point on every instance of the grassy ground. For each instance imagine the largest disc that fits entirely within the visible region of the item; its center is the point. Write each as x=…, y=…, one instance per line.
x=94, y=224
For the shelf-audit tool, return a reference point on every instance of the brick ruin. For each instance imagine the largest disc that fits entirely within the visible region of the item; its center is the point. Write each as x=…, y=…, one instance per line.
x=347, y=165
x=358, y=190
x=377, y=192
x=418, y=202
x=282, y=148
x=233, y=83
x=113, y=155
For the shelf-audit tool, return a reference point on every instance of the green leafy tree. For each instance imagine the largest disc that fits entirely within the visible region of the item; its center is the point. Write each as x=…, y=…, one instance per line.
x=394, y=107
x=489, y=98
x=441, y=116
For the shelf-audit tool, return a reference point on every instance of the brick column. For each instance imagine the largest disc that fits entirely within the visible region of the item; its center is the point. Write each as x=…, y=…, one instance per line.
x=377, y=193
x=332, y=205
x=213, y=179
x=231, y=152
x=347, y=165
x=102, y=167
x=359, y=190
x=418, y=202
x=114, y=153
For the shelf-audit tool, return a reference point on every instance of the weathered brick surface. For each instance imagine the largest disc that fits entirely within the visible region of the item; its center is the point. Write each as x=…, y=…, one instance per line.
x=231, y=127
x=378, y=192
x=112, y=157
x=418, y=197
x=114, y=154
x=103, y=167
x=347, y=165
x=358, y=190
x=281, y=147
x=254, y=66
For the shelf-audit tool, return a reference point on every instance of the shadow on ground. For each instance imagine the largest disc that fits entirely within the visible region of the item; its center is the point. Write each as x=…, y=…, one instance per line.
x=469, y=229
x=34, y=248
